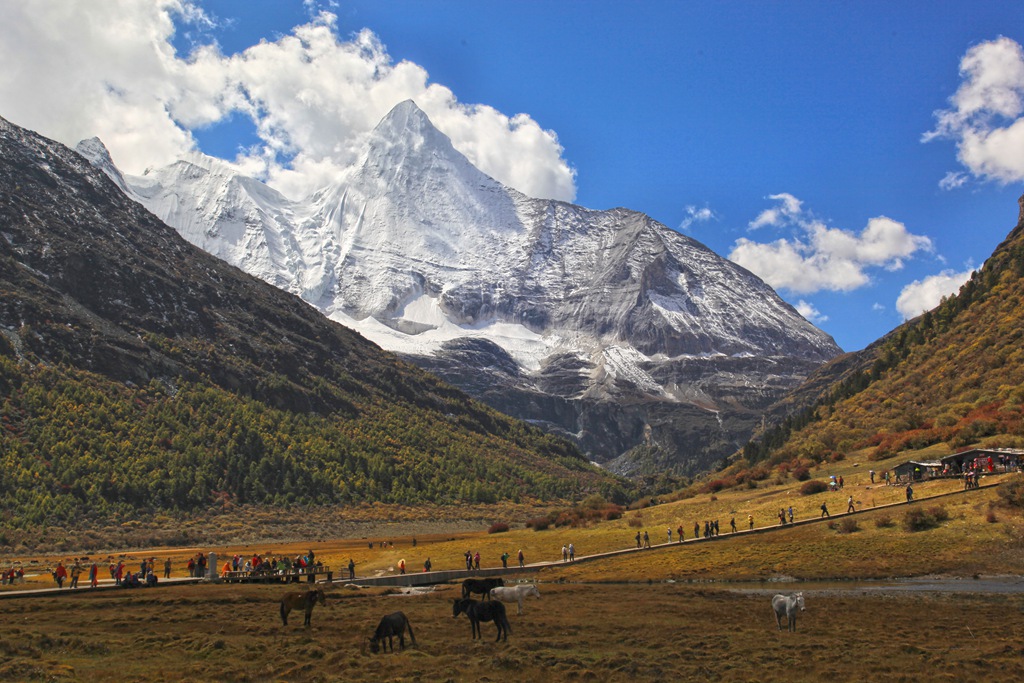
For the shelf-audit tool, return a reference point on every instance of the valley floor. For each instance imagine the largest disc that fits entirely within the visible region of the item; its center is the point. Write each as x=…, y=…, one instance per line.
x=572, y=632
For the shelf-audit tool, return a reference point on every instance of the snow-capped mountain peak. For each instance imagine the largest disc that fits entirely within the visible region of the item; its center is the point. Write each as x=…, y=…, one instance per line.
x=428, y=256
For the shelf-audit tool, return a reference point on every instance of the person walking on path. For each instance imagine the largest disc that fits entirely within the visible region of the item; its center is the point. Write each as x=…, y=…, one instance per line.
x=647, y=540
x=572, y=553
x=910, y=493
x=59, y=574
x=824, y=511
x=732, y=524
x=670, y=534
x=638, y=540
x=696, y=530
x=504, y=560
x=476, y=560
x=76, y=571
x=565, y=553
x=167, y=568
x=790, y=514
x=849, y=505
x=426, y=565
x=750, y=521
x=522, y=558
x=351, y=568
x=679, y=533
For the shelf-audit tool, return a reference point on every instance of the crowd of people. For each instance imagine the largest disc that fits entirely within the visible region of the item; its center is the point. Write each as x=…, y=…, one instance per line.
x=12, y=576
x=71, y=572
x=269, y=565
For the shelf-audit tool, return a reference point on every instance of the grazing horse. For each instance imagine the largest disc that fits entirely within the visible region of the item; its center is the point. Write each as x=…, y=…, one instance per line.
x=517, y=593
x=306, y=600
x=481, y=586
x=483, y=611
x=788, y=606
x=391, y=625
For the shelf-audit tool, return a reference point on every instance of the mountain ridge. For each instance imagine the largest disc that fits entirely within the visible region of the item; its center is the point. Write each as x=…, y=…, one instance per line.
x=140, y=374
x=416, y=248
x=946, y=380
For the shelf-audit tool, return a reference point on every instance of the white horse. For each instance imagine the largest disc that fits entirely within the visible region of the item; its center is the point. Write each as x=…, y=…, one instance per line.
x=517, y=593
x=788, y=606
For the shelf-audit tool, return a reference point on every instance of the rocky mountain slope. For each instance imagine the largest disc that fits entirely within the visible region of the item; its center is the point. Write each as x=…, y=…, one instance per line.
x=604, y=326
x=138, y=372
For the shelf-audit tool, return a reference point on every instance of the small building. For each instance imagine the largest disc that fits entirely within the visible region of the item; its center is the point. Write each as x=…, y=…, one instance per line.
x=985, y=459
x=917, y=470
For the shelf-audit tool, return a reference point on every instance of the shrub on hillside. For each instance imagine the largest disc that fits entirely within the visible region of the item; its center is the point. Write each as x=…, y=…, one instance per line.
x=716, y=485
x=883, y=521
x=801, y=473
x=612, y=513
x=498, y=528
x=920, y=519
x=1011, y=493
x=538, y=523
x=813, y=486
x=848, y=525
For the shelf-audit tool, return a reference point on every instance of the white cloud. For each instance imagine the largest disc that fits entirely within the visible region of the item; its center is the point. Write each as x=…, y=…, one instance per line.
x=953, y=180
x=788, y=209
x=818, y=257
x=110, y=69
x=695, y=215
x=808, y=311
x=985, y=114
x=924, y=295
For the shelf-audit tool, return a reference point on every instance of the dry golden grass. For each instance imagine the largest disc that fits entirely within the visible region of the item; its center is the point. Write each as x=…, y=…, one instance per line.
x=573, y=632
x=613, y=619
x=966, y=544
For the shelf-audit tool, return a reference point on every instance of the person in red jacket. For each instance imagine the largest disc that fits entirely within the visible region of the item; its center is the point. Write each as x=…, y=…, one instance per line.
x=59, y=574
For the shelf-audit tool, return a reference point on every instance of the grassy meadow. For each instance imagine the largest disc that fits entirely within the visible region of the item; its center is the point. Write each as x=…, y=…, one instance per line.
x=582, y=632
x=670, y=613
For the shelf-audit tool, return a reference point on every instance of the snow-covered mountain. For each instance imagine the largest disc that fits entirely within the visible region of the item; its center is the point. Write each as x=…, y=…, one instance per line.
x=603, y=325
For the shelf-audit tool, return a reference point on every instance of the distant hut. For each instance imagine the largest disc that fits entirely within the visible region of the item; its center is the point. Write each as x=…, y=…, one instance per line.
x=984, y=459
x=917, y=470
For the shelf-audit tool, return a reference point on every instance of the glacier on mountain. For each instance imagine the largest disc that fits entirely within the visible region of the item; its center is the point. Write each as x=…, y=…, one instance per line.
x=423, y=253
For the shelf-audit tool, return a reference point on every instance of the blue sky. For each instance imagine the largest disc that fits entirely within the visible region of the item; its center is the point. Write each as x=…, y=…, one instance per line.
x=862, y=157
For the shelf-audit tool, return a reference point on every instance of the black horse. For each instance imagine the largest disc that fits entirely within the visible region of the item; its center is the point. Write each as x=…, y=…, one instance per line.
x=483, y=611
x=481, y=586
x=391, y=625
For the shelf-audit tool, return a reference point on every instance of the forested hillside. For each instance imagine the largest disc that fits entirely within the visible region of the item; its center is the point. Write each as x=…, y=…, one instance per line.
x=138, y=373
x=952, y=377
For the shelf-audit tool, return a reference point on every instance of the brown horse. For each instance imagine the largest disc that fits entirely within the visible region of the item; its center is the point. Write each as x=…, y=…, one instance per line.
x=306, y=600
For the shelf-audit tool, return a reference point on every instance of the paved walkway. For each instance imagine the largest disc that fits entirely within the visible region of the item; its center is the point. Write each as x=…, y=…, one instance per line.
x=444, y=576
